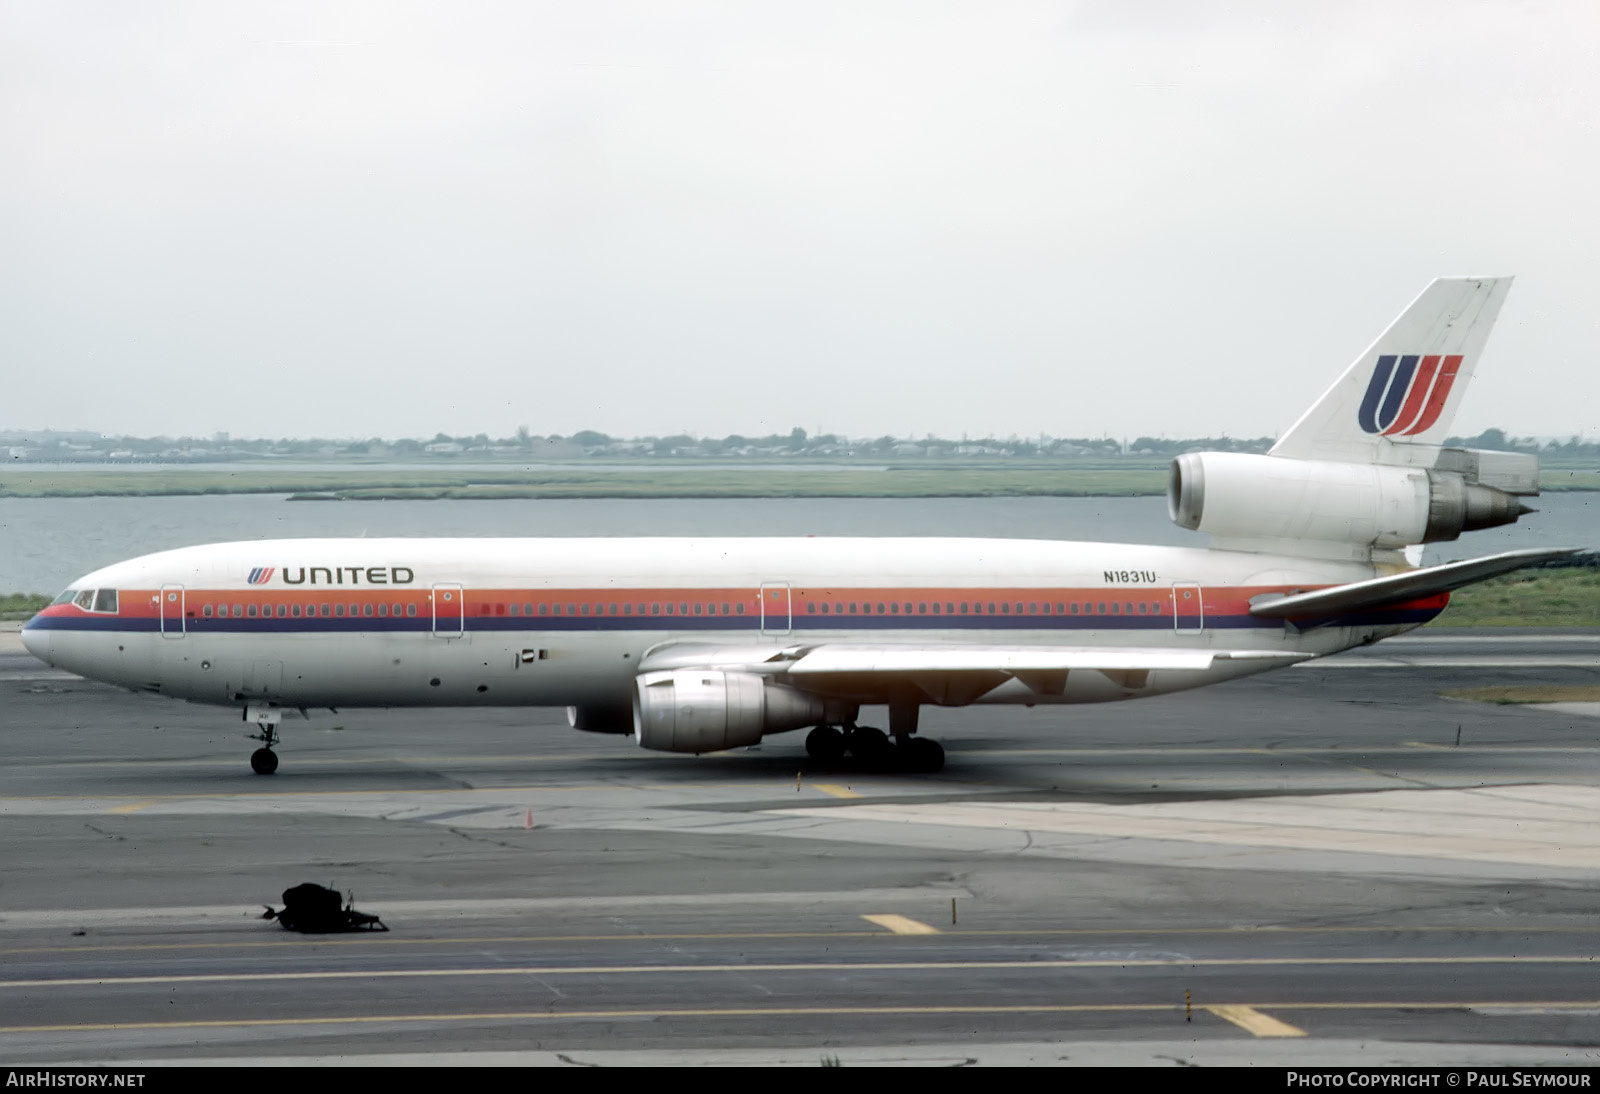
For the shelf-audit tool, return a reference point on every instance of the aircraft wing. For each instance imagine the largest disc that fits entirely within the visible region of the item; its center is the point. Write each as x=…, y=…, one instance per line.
x=1007, y=659
x=836, y=657
x=1382, y=592
x=951, y=674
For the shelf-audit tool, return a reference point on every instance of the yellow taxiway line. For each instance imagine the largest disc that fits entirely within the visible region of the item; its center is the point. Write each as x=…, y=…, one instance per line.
x=773, y=1012
x=1253, y=1021
x=900, y=924
x=786, y=966
x=835, y=790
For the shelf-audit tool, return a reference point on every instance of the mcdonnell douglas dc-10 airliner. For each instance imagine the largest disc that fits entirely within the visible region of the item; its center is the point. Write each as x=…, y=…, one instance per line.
x=698, y=645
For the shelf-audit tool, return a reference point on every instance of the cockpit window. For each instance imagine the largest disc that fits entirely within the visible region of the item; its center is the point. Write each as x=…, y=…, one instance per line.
x=90, y=600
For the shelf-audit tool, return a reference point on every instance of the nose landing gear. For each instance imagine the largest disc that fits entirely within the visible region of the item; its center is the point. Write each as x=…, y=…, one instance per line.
x=264, y=761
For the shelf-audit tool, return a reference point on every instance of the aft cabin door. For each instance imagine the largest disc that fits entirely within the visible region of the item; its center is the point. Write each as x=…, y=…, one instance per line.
x=1188, y=610
x=449, y=611
x=172, y=611
x=775, y=607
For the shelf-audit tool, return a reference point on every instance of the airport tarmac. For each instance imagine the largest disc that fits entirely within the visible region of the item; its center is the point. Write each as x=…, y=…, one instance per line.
x=1328, y=864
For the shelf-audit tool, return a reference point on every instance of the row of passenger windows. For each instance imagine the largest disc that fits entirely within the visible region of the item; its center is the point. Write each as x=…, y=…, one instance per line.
x=311, y=611
x=105, y=600
x=853, y=608
x=656, y=608
x=922, y=607
x=1004, y=607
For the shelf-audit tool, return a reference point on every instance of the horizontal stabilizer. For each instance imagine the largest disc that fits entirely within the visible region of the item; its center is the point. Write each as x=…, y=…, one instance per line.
x=1382, y=592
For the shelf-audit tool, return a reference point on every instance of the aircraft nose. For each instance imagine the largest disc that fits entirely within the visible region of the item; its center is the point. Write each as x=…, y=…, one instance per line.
x=36, y=640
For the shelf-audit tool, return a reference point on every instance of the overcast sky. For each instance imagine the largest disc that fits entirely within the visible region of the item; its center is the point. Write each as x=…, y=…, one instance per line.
x=356, y=219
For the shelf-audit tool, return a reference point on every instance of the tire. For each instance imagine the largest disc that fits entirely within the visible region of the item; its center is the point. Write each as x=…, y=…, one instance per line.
x=923, y=756
x=871, y=748
x=825, y=745
x=263, y=761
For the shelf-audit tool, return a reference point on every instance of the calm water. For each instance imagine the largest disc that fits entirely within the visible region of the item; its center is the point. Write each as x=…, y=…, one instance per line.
x=47, y=542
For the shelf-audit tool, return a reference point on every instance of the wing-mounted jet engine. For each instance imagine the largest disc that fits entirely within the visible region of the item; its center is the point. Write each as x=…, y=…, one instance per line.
x=706, y=710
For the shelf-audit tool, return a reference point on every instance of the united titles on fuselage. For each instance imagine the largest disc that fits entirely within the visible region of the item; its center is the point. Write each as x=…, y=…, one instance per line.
x=335, y=575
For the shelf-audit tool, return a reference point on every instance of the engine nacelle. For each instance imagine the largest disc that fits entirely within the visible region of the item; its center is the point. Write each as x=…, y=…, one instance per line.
x=1241, y=496
x=693, y=710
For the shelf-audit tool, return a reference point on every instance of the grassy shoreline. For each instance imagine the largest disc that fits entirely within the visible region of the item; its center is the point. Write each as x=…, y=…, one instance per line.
x=1529, y=598
x=1533, y=598
x=369, y=485
x=1094, y=478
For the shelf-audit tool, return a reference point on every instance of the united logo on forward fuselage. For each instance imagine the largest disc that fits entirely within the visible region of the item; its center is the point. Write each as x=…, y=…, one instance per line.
x=262, y=574
x=1407, y=393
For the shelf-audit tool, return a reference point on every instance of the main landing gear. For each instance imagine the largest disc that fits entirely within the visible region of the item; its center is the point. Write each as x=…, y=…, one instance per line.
x=264, y=761
x=873, y=749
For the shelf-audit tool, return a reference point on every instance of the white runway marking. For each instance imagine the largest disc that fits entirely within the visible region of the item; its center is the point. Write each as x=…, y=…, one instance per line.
x=453, y=910
x=1544, y=825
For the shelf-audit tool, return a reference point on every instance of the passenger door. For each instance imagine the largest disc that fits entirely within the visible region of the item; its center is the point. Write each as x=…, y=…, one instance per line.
x=775, y=607
x=449, y=611
x=1188, y=609
x=172, y=598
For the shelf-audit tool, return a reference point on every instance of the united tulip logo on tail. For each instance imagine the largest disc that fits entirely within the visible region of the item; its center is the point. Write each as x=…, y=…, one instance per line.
x=262, y=574
x=1407, y=393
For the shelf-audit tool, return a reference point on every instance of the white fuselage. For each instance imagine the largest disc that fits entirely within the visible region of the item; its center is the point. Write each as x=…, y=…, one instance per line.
x=556, y=622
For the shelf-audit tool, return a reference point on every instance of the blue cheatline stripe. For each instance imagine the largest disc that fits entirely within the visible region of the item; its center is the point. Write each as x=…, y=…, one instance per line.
x=90, y=623
x=1379, y=383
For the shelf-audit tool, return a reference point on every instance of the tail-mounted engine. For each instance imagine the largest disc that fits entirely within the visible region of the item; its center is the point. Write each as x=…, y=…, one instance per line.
x=694, y=710
x=1239, y=496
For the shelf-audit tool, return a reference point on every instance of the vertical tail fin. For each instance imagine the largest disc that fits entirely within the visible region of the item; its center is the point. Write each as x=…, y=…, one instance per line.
x=1406, y=387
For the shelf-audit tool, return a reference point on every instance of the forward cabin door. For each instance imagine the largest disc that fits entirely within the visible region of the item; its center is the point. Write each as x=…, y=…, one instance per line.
x=775, y=607
x=1188, y=610
x=449, y=611
x=172, y=611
